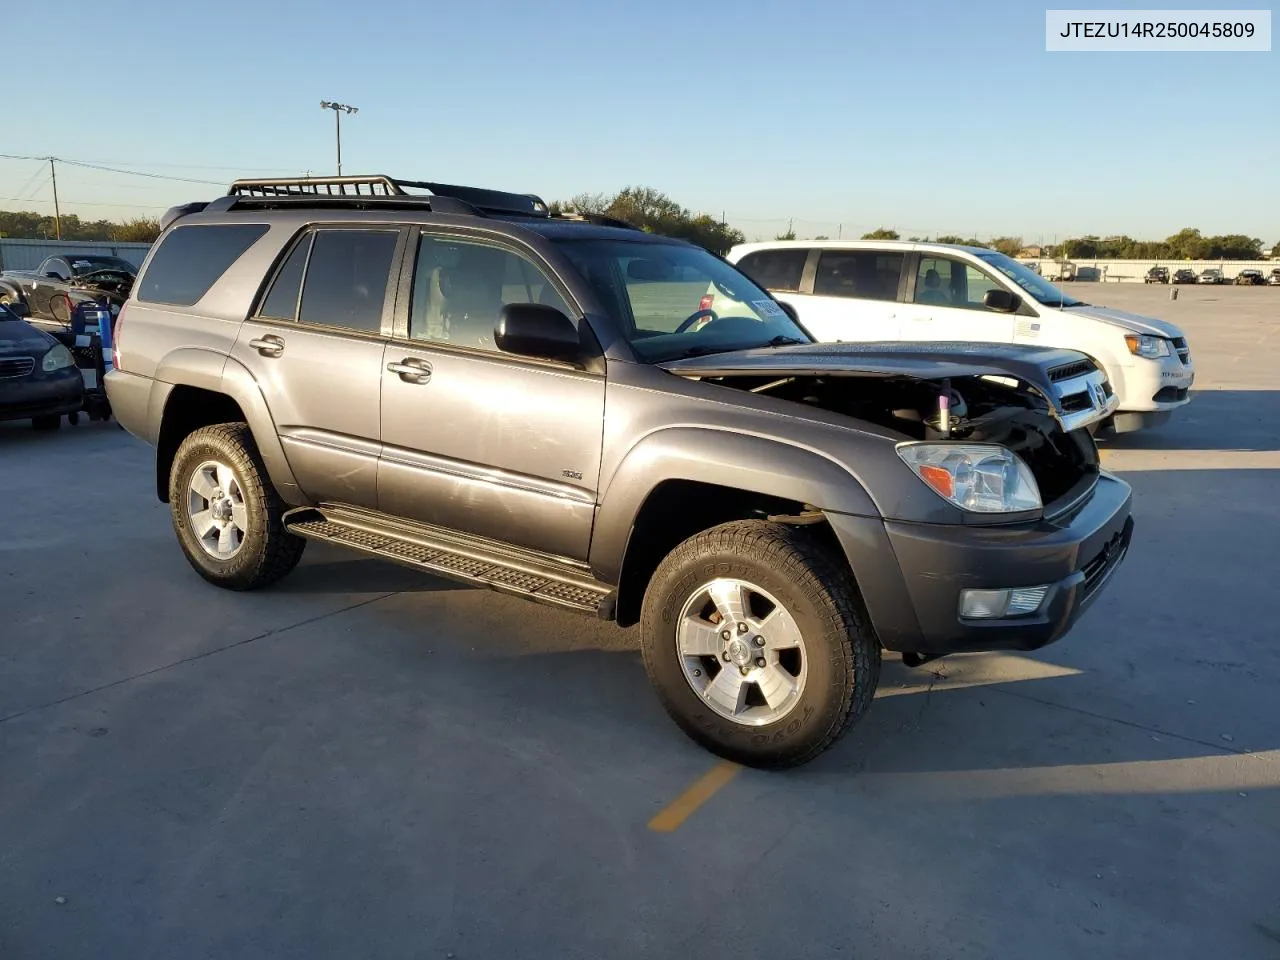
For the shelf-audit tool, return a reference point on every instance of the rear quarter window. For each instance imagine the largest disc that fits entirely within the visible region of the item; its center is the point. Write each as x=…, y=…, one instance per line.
x=192, y=258
x=775, y=269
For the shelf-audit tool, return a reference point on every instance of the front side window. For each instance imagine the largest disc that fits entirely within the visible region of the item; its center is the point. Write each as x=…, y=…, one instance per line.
x=460, y=286
x=775, y=269
x=943, y=282
x=347, y=277
x=673, y=300
x=861, y=274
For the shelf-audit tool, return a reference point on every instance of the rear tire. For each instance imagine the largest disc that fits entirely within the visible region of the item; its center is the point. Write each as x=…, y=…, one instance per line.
x=822, y=680
x=46, y=423
x=226, y=514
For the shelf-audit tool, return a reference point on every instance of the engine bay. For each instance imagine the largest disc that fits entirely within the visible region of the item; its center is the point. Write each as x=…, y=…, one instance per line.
x=974, y=409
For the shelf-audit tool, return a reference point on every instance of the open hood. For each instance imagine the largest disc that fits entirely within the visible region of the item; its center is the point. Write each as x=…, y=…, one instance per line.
x=1129, y=322
x=1076, y=390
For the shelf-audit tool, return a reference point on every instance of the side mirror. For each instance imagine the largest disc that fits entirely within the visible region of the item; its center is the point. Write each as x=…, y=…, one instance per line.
x=537, y=330
x=18, y=308
x=790, y=311
x=1002, y=301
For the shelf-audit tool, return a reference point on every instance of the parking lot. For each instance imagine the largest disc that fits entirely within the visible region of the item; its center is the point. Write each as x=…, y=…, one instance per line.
x=364, y=762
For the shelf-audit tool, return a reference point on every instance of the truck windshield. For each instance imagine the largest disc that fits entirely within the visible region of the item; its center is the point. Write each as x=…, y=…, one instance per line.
x=674, y=300
x=1041, y=289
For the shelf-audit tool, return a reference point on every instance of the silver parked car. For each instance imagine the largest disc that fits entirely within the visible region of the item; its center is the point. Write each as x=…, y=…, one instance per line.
x=452, y=378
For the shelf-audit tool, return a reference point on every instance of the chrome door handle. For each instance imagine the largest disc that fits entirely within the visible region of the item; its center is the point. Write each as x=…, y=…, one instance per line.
x=268, y=346
x=411, y=370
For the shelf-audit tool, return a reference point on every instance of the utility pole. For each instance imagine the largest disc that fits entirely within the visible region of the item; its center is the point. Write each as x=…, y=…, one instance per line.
x=338, y=110
x=839, y=231
x=57, y=212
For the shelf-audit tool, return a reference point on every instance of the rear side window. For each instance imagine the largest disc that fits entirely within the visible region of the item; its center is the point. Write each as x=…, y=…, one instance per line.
x=192, y=258
x=861, y=274
x=282, y=301
x=775, y=269
x=347, y=278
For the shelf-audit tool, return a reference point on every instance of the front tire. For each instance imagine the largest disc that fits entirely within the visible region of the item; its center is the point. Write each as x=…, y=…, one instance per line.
x=226, y=514
x=756, y=641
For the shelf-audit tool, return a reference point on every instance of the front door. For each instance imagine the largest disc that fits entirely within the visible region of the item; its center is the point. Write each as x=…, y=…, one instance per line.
x=945, y=303
x=52, y=277
x=474, y=439
x=315, y=348
x=854, y=297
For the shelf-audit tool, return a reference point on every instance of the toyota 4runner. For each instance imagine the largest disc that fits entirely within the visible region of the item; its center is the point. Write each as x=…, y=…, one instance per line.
x=455, y=379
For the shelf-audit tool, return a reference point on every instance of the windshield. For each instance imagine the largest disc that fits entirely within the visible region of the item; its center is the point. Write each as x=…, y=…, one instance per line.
x=678, y=301
x=82, y=265
x=1030, y=281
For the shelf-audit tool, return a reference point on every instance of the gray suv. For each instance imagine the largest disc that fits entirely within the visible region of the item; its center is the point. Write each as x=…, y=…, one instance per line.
x=456, y=379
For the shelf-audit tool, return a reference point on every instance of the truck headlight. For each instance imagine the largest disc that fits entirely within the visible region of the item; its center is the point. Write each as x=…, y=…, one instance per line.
x=1148, y=347
x=58, y=358
x=978, y=477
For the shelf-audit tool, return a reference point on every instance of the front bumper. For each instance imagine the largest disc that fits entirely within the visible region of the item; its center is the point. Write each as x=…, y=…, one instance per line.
x=910, y=574
x=43, y=395
x=1155, y=385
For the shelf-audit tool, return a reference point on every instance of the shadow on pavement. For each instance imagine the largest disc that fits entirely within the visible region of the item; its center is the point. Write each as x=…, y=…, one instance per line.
x=1213, y=420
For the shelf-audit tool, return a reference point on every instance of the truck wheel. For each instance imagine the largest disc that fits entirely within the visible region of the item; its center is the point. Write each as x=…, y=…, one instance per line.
x=756, y=641
x=226, y=513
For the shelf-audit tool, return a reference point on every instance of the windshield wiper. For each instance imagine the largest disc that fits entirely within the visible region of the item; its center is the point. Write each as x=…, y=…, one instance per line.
x=782, y=340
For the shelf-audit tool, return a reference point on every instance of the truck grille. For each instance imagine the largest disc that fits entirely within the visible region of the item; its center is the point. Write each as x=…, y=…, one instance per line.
x=11, y=368
x=1069, y=371
x=1170, y=394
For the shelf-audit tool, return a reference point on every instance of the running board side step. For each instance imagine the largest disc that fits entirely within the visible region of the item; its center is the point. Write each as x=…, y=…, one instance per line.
x=446, y=553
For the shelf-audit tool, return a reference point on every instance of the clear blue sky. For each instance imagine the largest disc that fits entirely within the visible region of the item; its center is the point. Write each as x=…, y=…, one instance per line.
x=932, y=117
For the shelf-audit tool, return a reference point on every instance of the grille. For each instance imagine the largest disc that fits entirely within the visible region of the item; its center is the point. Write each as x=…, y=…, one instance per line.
x=1069, y=371
x=1184, y=353
x=13, y=367
x=1077, y=402
x=1095, y=571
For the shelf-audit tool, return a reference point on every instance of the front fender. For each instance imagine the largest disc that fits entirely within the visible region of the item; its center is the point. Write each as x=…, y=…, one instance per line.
x=736, y=460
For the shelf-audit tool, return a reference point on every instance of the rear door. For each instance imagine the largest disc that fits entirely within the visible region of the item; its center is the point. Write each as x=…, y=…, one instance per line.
x=854, y=295
x=314, y=345
x=475, y=439
x=944, y=302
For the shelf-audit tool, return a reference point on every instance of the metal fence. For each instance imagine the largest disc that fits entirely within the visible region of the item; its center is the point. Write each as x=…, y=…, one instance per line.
x=28, y=254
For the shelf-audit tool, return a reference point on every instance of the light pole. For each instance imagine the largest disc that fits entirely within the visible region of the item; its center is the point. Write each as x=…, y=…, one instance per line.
x=338, y=110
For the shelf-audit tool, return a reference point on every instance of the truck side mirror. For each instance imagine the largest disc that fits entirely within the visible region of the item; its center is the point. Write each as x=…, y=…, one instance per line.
x=1002, y=301
x=537, y=330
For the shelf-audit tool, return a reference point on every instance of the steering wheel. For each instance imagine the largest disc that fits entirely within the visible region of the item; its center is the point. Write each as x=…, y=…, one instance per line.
x=706, y=316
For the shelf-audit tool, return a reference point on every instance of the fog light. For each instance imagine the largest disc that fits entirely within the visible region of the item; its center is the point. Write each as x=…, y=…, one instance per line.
x=997, y=604
x=983, y=604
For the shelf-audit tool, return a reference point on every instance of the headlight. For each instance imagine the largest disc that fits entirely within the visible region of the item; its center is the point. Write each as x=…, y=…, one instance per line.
x=58, y=358
x=980, y=478
x=1152, y=348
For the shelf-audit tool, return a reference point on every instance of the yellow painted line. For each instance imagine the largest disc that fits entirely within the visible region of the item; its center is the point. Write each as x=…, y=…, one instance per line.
x=703, y=789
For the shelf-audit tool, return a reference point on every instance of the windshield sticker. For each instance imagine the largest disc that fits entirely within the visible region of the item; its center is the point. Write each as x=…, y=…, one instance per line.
x=768, y=308
x=81, y=263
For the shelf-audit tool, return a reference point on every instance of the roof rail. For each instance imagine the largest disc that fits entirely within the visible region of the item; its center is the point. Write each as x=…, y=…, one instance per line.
x=379, y=187
x=598, y=219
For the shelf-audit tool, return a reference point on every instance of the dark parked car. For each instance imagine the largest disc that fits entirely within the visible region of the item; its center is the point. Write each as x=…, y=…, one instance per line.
x=1250, y=278
x=1184, y=276
x=52, y=290
x=38, y=376
x=1157, y=275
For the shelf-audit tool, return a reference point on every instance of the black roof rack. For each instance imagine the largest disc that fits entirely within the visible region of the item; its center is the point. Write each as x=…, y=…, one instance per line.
x=388, y=191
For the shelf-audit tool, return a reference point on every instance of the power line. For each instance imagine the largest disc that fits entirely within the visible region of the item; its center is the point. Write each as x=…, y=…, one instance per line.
x=106, y=169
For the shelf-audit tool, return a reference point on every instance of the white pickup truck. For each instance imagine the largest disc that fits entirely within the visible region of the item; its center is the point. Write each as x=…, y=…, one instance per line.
x=895, y=290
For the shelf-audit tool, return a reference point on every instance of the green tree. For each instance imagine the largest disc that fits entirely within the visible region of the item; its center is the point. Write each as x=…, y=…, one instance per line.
x=960, y=241
x=1009, y=246
x=138, y=230
x=788, y=235
x=881, y=233
x=655, y=212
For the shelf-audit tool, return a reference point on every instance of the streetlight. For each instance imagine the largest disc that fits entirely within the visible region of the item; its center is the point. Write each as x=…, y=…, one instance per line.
x=338, y=110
